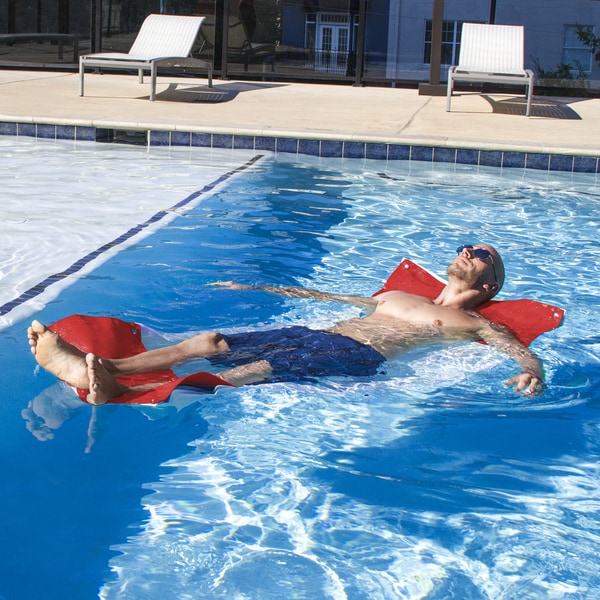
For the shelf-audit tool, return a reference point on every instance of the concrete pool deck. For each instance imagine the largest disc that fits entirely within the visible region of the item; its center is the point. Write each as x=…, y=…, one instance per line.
x=304, y=110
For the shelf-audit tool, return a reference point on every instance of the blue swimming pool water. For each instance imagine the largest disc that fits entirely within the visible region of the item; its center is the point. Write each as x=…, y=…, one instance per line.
x=428, y=481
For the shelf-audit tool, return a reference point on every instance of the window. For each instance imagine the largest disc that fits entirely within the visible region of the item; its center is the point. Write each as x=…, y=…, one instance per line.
x=451, y=31
x=575, y=53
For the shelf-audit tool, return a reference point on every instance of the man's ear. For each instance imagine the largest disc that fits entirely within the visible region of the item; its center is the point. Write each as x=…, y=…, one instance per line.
x=490, y=288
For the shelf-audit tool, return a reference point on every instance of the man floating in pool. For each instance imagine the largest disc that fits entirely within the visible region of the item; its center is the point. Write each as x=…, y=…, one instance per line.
x=394, y=322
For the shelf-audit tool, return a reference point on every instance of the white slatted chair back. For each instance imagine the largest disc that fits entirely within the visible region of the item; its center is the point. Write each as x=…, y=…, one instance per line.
x=166, y=35
x=492, y=49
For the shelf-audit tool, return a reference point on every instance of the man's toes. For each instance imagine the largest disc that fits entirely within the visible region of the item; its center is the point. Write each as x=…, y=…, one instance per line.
x=37, y=327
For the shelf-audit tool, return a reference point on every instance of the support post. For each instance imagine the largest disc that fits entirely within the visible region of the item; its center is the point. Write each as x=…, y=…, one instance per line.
x=360, y=42
x=225, y=41
x=434, y=87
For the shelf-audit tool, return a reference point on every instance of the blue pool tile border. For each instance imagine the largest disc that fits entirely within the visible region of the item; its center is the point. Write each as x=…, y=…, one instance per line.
x=515, y=160
x=327, y=148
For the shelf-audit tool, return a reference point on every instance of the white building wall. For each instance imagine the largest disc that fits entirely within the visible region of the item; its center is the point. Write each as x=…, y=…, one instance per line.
x=544, y=22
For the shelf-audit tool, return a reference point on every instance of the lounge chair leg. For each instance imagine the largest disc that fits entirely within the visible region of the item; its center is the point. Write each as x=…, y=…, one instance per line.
x=449, y=92
x=81, y=74
x=153, y=82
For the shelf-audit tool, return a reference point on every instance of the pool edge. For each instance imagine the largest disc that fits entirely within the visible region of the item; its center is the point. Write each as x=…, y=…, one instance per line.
x=444, y=150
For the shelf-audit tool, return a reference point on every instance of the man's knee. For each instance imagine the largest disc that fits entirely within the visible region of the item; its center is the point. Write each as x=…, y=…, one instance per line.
x=217, y=341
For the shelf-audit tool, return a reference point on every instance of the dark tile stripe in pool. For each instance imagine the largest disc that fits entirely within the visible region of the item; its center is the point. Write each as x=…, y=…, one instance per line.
x=78, y=265
x=322, y=148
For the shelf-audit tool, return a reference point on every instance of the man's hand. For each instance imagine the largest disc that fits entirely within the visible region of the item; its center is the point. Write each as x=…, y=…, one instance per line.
x=231, y=285
x=528, y=383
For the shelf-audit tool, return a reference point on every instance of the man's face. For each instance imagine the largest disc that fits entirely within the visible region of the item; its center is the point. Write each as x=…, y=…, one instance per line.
x=474, y=265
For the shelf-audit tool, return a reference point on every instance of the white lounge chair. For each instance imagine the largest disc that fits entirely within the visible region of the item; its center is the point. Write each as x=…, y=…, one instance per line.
x=163, y=41
x=491, y=53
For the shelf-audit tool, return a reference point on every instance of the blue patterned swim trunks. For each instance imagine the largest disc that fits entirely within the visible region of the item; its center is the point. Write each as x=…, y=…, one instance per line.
x=299, y=353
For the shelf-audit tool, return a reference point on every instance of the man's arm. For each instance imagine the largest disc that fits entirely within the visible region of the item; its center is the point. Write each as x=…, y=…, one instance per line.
x=298, y=292
x=531, y=378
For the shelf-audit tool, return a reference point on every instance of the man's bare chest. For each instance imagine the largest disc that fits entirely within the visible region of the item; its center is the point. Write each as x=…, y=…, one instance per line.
x=416, y=309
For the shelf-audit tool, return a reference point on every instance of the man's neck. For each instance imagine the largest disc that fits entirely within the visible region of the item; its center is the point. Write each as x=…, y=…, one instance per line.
x=460, y=298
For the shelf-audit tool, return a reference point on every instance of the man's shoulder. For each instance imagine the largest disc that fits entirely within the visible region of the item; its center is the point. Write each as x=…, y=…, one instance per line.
x=478, y=318
x=486, y=324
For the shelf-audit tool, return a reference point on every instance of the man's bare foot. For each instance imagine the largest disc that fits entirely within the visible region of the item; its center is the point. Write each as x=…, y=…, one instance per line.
x=102, y=385
x=250, y=373
x=57, y=356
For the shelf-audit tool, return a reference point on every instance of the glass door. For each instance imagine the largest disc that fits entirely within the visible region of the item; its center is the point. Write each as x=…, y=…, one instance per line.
x=332, y=43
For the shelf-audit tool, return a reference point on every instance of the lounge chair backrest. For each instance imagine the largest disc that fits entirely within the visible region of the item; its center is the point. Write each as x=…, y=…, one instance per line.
x=492, y=48
x=237, y=37
x=166, y=35
x=236, y=34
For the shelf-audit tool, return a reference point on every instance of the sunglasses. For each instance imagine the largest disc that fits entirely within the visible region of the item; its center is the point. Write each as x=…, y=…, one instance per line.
x=480, y=253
